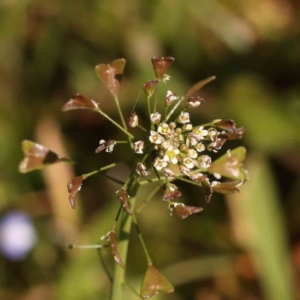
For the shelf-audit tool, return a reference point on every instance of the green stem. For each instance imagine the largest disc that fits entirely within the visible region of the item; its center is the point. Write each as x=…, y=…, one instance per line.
x=64, y=159
x=123, y=242
x=149, y=110
x=165, y=113
x=96, y=246
x=141, y=239
x=133, y=290
x=114, y=122
x=141, y=127
x=156, y=97
x=120, y=112
x=143, y=182
x=191, y=182
x=152, y=194
x=85, y=176
x=106, y=270
x=175, y=107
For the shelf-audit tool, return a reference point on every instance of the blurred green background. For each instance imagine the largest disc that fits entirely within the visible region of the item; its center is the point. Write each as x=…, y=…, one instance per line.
x=244, y=246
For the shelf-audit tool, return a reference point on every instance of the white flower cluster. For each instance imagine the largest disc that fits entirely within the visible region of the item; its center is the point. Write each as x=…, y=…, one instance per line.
x=181, y=143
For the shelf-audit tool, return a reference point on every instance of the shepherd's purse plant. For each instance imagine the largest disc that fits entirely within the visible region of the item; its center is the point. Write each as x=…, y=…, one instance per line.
x=167, y=147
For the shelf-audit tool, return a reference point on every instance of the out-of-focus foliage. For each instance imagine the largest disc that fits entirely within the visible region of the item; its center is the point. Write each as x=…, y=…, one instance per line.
x=242, y=247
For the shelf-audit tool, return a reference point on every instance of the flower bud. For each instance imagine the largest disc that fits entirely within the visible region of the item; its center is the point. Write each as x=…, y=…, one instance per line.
x=108, y=145
x=187, y=127
x=170, y=98
x=155, y=118
x=149, y=86
x=139, y=147
x=168, y=173
x=141, y=170
x=133, y=120
x=184, y=118
x=193, y=102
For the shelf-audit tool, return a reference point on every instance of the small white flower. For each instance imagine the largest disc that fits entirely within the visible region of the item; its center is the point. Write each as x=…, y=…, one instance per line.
x=168, y=173
x=200, y=132
x=134, y=120
x=212, y=134
x=204, y=161
x=159, y=164
x=192, y=140
x=185, y=171
x=228, y=153
x=170, y=98
x=188, y=162
x=171, y=155
x=165, y=145
x=187, y=127
x=194, y=102
x=139, y=147
x=166, y=78
x=172, y=125
x=110, y=146
x=197, y=177
x=187, y=142
x=141, y=170
x=164, y=129
x=212, y=147
x=155, y=138
x=200, y=147
x=155, y=118
x=192, y=153
x=216, y=145
x=184, y=118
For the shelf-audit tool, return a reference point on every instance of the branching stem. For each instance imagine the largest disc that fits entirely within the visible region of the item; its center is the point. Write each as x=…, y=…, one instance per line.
x=123, y=240
x=114, y=122
x=141, y=239
x=175, y=107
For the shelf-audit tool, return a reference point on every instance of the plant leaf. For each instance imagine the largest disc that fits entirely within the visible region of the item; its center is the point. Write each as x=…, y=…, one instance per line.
x=79, y=101
x=36, y=157
x=111, y=74
x=154, y=282
x=230, y=164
